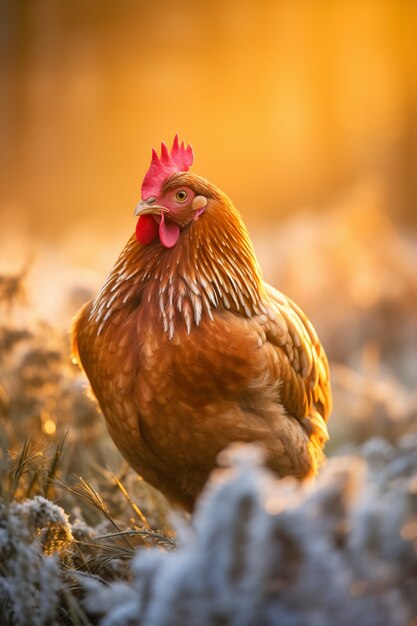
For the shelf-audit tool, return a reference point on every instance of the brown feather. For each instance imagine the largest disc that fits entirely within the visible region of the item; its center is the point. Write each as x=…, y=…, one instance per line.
x=187, y=350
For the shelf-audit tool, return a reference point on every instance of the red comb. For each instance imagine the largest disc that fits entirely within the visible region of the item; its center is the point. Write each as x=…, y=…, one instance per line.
x=179, y=159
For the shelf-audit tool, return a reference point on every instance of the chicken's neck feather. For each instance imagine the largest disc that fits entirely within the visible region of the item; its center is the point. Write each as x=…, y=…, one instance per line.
x=213, y=266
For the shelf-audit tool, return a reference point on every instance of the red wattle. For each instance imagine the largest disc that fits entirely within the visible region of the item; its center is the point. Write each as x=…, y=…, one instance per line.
x=147, y=229
x=168, y=232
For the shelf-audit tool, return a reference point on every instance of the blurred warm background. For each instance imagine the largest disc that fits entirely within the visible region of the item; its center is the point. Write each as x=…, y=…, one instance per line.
x=305, y=113
x=286, y=103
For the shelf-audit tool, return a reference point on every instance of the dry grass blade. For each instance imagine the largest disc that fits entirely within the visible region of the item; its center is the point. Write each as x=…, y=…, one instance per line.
x=100, y=555
x=108, y=550
x=134, y=506
x=25, y=462
x=75, y=612
x=86, y=492
x=53, y=466
x=73, y=578
x=159, y=537
x=83, y=560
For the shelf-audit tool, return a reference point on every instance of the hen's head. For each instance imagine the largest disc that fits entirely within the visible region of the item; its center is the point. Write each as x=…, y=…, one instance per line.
x=171, y=198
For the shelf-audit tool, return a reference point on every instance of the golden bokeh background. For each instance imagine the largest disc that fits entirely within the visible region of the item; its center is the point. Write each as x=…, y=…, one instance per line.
x=287, y=104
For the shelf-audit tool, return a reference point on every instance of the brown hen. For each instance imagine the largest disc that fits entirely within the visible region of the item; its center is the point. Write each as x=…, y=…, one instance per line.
x=187, y=349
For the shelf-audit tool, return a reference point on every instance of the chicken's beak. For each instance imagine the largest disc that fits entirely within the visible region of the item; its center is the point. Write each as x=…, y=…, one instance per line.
x=145, y=208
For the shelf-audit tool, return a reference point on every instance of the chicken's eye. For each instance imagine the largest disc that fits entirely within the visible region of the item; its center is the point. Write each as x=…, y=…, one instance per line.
x=181, y=195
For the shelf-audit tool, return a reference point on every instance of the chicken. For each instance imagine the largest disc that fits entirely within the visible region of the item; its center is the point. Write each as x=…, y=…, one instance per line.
x=187, y=349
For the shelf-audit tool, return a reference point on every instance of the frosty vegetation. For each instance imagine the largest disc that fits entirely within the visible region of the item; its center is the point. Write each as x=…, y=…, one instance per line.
x=260, y=551
x=267, y=552
x=84, y=541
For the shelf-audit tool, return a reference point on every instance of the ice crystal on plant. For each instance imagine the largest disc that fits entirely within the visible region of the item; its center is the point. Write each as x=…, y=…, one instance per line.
x=31, y=579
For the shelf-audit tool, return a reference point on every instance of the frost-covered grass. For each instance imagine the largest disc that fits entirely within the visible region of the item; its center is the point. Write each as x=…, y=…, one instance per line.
x=271, y=553
x=84, y=541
